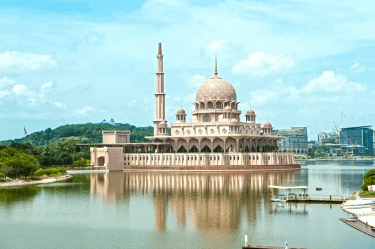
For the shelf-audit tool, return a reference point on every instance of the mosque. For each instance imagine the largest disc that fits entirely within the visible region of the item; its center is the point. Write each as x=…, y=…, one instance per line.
x=214, y=139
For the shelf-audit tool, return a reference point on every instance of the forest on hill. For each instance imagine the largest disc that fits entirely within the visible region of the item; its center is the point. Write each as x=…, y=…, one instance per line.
x=85, y=133
x=34, y=153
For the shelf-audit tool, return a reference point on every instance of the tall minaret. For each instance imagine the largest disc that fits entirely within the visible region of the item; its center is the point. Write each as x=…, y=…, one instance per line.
x=159, y=95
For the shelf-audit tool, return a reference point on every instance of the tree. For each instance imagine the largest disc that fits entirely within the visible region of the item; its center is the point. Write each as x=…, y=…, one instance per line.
x=81, y=163
x=368, y=179
x=17, y=163
x=39, y=172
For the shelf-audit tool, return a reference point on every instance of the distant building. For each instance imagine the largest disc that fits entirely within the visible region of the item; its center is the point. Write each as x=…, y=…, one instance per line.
x=358, y=136
x=295, y=139
x=325, y=138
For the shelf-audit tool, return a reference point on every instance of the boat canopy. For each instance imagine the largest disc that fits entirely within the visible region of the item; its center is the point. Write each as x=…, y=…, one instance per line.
x=287, y=187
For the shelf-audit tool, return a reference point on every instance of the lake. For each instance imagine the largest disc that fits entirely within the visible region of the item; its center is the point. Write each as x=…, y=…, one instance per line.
x=181, y=210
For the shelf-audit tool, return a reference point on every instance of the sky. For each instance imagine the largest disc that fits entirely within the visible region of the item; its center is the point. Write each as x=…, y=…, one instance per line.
x=295, y=62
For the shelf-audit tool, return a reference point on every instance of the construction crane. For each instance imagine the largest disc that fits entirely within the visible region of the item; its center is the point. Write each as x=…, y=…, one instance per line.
x=337, y=129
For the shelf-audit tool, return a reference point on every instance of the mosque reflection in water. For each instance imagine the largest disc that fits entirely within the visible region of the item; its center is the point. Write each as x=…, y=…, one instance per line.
x=215, y=201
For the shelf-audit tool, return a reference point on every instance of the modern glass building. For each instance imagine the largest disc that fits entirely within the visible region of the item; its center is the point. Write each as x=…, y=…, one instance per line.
x=293, y=139
x=360, y=135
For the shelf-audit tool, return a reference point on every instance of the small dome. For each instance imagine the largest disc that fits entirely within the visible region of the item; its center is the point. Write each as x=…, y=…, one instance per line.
x=180, y=111
x=267, y=125
x=234, y=121
x=250, y=112
x=227, y=108
x=163, y=124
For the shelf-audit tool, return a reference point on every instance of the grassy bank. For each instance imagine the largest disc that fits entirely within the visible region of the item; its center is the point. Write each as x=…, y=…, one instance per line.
x=367, y=194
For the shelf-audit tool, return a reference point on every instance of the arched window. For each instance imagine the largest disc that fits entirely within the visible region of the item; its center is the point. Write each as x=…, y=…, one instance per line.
x=203, y=106
x=218, y=105
x=210, y=105
x=232, y=105
x=206, y=118
x=226, y=104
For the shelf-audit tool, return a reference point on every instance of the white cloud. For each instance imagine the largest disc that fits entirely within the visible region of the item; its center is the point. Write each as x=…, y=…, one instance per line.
x=216, y=44
x=357, y=68
x=133, y=102
x=328, y=87
x=45, y=88
x=21, y=89
x=33, y=96
x=329, y=81
x=23, y=61
x=260, y=64
x=195, y=80
x=4, y=82
x=60, y=105
x=4, y=93
x=85, y=110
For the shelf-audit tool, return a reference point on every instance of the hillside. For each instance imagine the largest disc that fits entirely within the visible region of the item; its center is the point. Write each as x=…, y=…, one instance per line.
x=86, y=133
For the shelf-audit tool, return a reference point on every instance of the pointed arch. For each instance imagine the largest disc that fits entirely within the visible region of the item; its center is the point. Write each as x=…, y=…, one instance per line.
x=182, y=149
x=206, y=118
x=193, y=149
x=247, y=149
x=218, y=149
x=218, y=105
x=101, y=161
x=206, y=149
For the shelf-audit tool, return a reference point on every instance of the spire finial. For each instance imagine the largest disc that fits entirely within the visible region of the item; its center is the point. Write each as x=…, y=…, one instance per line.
x=159, y=49
x=215, y=65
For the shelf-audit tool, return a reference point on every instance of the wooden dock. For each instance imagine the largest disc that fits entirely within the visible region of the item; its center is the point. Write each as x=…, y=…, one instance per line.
x=267, y=247
x=323, y=199
x=360, y=226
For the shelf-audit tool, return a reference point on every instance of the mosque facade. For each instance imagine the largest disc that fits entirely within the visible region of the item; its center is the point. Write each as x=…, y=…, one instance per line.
x=214, y=139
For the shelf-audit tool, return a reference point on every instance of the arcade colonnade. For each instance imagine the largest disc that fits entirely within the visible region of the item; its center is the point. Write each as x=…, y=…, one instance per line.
x=222, y=144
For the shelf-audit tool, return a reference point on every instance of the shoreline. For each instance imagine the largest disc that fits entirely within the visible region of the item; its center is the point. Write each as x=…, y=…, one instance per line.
x=346, y=159
x=362, y=221
x=43, y=181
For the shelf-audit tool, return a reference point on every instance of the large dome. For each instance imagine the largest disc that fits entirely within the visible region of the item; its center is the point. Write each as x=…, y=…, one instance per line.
x=216, y=88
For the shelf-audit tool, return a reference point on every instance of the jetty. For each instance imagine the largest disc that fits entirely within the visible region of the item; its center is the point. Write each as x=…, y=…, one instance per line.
x=246, y=246
x=268, y=247
x=363, y=211
x=303, y=197
x=361, y=226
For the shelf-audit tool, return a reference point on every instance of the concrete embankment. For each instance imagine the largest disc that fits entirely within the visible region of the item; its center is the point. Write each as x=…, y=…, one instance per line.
x=213, y=167
x=87, y=171
x=20, y=183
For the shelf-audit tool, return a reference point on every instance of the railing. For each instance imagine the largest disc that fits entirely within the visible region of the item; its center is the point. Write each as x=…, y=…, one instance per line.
x=315, y=197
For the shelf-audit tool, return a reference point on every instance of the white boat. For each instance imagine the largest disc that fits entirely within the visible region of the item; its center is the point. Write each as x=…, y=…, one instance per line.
x=279, y=198
x=354, y=204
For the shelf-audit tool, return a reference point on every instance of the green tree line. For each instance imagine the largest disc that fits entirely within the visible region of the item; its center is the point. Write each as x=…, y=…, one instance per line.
x=85, y=133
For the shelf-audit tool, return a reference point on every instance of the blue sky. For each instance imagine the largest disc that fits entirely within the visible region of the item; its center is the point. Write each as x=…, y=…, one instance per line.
x=296, y=62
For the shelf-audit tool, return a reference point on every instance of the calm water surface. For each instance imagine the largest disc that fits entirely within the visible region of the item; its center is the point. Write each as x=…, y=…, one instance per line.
x=180, y=210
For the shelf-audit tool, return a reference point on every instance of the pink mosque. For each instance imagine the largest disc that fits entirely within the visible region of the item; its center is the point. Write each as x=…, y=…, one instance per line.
x=214, y=139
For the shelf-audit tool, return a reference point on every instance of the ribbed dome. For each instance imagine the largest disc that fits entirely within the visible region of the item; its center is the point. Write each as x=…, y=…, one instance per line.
x=180, y=111
x=234, y=121
x=163, y=124
x=250, y=112
x=267, y=125
x=216, y=88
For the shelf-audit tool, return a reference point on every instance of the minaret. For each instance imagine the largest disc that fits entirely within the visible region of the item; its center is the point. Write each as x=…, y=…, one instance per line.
x=159, y=95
